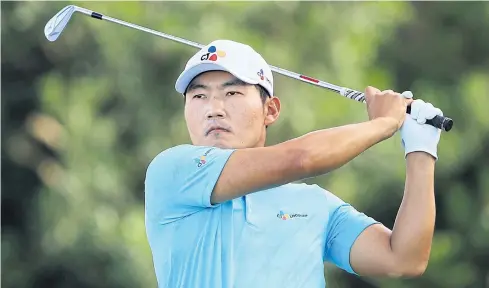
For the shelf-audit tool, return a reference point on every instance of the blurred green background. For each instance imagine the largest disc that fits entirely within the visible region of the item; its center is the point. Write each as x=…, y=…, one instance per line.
x=83, y=116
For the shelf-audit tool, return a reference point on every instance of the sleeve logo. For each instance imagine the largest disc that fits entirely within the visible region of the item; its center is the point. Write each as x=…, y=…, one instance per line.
x=202, y=160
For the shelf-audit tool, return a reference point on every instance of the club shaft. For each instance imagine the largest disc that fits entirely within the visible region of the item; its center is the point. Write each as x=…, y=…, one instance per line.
x=278, y=70
x=439, y=121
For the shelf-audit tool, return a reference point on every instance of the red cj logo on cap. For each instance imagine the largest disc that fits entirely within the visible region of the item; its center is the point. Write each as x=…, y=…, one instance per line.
x=212, y=54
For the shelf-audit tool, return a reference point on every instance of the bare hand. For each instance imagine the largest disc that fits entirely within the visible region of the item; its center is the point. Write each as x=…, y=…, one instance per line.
x=386, y=104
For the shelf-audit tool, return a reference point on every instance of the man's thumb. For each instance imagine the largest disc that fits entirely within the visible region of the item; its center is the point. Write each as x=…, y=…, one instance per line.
x=370, y=91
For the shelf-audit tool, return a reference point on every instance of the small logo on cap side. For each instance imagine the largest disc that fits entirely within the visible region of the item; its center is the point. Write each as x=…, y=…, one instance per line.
x=260, y=73
x=262, y=76
x=212, y=54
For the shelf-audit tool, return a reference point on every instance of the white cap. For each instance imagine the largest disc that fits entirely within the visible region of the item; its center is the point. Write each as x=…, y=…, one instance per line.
x=224, y=55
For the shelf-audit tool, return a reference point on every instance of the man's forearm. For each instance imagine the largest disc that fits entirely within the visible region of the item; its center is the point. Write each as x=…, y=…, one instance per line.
x=414, y=227
x=323, y=151
x=250, y=170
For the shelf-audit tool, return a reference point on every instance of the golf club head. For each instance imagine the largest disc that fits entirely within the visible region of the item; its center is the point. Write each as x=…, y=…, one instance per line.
x=55, y=25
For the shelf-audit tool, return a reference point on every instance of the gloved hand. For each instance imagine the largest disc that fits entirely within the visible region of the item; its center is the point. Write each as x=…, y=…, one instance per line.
x=415, y=135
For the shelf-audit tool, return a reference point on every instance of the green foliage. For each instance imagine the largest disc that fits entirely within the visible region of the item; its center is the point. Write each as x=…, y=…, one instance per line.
x=83, y=116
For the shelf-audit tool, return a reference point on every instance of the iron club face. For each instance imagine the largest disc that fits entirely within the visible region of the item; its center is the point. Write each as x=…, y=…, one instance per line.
x=55, y=25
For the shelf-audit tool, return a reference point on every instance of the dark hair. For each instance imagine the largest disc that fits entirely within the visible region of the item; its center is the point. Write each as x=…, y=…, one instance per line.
x=263, y=94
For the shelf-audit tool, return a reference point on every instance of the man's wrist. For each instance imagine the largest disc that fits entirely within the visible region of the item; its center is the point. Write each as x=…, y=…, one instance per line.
x=420, y=167
x=387, y=125
x=425, y=148
x=420, y=158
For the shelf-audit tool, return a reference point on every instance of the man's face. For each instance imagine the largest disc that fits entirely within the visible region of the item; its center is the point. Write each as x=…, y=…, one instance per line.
x=222, y=111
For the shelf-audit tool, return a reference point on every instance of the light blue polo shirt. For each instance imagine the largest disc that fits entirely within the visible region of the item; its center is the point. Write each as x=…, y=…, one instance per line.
x=278, y=237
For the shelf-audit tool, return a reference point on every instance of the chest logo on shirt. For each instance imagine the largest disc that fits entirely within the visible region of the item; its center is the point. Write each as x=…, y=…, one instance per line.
x=286, y=216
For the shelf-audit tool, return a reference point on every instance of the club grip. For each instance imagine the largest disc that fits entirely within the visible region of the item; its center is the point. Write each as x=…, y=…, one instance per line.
x=441, y=122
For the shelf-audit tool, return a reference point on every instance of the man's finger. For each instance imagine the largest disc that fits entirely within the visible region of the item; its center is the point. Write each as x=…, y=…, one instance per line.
x=371, y=91
x=438, y=112
x=416, y=108
x=429, y=112
x=388, y=92
x=407, y=94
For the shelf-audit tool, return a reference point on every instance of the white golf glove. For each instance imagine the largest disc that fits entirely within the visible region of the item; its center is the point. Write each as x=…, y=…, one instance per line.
x=416, y=136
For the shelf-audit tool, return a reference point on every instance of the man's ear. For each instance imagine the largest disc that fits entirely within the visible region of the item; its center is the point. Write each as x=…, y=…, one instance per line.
x=272, y=110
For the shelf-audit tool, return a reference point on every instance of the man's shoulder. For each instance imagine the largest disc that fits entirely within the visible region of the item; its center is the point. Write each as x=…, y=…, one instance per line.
x=185, y=150
x=186, y=156
x=174, y=150
x=174, y=153
x=169, y=156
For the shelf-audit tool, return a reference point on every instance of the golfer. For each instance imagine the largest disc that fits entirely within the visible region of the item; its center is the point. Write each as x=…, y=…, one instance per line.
x=225, y=211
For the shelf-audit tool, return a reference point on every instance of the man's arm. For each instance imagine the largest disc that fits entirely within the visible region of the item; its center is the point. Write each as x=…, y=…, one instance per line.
x=405, y=250
x=316, y=153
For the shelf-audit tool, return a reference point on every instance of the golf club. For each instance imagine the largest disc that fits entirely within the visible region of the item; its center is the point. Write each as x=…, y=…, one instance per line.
x=56, y=25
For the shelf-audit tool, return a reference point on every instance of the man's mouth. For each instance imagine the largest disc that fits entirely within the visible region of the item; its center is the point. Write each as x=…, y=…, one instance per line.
x=217, y=130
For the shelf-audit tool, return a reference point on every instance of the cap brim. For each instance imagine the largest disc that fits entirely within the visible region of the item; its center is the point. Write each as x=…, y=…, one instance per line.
x=189, y=74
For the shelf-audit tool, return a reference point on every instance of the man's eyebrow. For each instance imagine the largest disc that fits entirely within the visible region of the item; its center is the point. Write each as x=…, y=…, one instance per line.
x=194, y=86
x=234, y=82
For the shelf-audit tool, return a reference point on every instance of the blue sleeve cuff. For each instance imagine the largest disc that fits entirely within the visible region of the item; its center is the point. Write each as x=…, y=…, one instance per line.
x=345, y=227
x=353, y=234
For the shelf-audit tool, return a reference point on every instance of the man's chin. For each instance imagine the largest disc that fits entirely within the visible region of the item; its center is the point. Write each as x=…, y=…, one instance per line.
x=219, y=143
x=223, y=146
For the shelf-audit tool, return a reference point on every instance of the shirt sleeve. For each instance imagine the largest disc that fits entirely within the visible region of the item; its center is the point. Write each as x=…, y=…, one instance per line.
x=179, y=181
x=344, y=226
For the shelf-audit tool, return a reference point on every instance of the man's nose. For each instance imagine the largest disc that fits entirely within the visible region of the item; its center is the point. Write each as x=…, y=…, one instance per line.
x=215, y=108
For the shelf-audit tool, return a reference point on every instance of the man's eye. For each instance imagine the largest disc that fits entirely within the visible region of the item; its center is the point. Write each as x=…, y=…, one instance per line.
x=199, y=96
x=232, y=93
